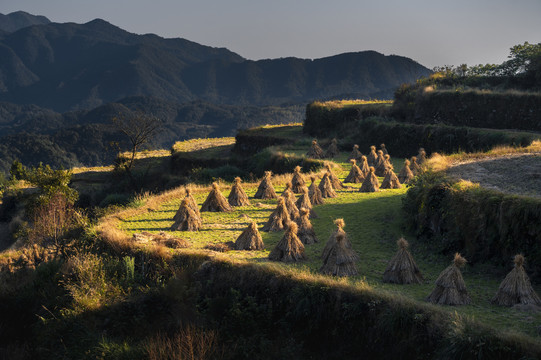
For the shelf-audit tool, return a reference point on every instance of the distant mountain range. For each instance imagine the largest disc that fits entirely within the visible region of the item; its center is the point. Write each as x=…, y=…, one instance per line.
x=79, y=66
x=60, y=82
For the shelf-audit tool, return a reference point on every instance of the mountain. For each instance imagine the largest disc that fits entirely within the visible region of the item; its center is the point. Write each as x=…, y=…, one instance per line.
x=80, y=66
x=18, y=20
x=32, y=134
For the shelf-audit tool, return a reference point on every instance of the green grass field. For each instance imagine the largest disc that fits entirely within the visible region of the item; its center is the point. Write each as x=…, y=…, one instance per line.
x=373, y=223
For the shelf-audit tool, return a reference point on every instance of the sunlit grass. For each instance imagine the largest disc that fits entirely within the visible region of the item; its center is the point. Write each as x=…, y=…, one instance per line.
x=334, y=104
x=201, y=144
x=373, y=223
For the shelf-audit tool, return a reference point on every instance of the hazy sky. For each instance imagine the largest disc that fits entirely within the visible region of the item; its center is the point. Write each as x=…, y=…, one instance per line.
x=432, y=32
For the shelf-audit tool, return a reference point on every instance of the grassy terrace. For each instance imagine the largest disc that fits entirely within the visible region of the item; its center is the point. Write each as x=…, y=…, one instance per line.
x=211, y=148
x=373, y=222
x=341, y=104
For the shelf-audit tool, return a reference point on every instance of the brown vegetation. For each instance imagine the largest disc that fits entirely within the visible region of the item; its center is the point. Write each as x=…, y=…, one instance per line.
x=405, y=175
x=340, y=224
x=450, y=287
x=297, y=181
x=370, y=183
x=315, y=152
x=325, y=186
x=372, y=157
x=289, y=248
x=390, y=181
x=355, y=153
x=185, y=218
x=216, y=201
x=250, y=239
x=314, y=192
x=265, y=189
x=304, y=202
x=306, y=232
x=402, y=269
x=279, y=217
x=237, y=196
x=340, y=259
x=516, y=287
x=336, y=183
x=355, y=175
x=332, y=150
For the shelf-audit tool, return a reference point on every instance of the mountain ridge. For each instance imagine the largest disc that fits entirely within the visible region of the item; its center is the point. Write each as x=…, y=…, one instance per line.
x=72, y=66
x=20, y=19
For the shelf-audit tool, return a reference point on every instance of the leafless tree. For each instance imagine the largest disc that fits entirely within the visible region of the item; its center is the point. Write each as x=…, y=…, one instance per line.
x=139, y=128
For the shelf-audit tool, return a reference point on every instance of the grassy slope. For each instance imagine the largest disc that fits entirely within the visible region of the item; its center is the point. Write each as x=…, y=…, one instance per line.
x=373, y=222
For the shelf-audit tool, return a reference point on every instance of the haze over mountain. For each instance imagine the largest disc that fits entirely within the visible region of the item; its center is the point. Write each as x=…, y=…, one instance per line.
x=61, y=84
x=75, y=66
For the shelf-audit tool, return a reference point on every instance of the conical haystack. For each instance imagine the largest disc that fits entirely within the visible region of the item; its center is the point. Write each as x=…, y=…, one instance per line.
x=315, y=152
x=421, y=157
x=191, y=203
x=332, y=150
x=237, y=196
x=250, y=239
x=297, y=181
x=306, y=231
x=355, y=153
x=384, y=149
x=414, y=167
x=370, y=183
x=304, y=202
x=384, y=165
x=216, y=201
x=336, y=183
x=365, y=168
x=516, y=287
x=355, y=175
x=290, y=199
x=315, y=193
x=340, y=224
x=390, y=181
x=340, y=260
x=450, y=287
x=402, y=269
x=380, y=161
x=372, y=156
x=325, y=186
x=186, y=219
x=405, y=175
x=289, y=248
x=279, y=217
x=265, y=189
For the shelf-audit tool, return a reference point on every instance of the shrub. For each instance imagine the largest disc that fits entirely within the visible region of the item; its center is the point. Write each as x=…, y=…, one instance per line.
x=484, y=225
x=115, y=199
x=404, y=140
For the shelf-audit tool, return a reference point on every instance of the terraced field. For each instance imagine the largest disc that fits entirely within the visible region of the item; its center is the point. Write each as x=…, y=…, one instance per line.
x=373, y=223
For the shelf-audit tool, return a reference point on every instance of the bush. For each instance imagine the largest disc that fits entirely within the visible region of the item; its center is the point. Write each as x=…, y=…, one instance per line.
x=115, y=199
x=325, y=120
x=225, y=172
x=404, y=140
x=485, y=225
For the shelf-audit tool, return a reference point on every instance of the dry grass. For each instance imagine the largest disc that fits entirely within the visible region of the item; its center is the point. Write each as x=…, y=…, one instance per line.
x=443, y=162
x=190, y=343
x=201, y=144
x=335, y=104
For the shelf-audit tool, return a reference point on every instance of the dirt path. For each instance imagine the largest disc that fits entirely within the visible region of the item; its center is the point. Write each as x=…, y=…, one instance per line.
x=515, y=173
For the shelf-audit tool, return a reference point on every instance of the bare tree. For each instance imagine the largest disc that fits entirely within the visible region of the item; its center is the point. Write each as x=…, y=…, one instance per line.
x=139, y=128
